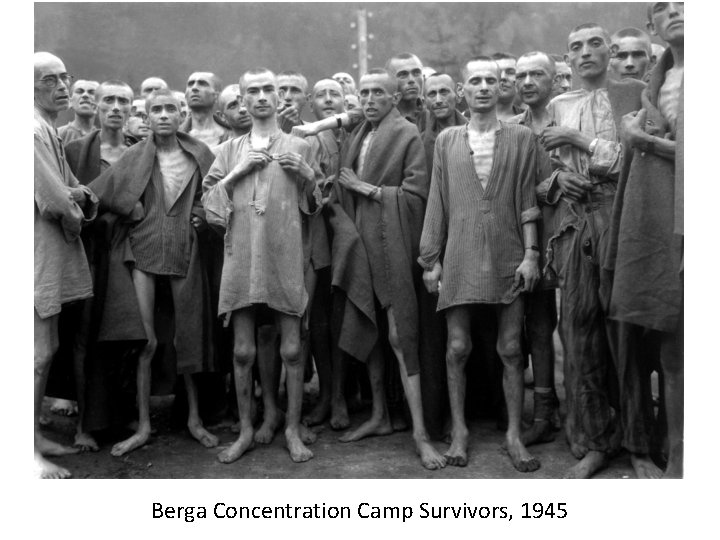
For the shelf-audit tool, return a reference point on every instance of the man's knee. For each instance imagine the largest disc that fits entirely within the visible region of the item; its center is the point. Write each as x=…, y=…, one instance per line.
x=149, y=349
x=291, y=353
x=244, y=354
x=510, y=351
x=458, y=350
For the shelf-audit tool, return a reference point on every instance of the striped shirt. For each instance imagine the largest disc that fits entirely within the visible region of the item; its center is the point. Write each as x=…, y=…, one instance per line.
x=479, y=228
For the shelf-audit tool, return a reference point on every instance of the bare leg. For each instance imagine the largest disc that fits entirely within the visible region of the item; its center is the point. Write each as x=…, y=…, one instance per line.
x=430, y=458
x=269, y=368
x=83, y=440
x=510, y=318
x=459, y=345
x=145, y=292
x=46, y=344
x=320, y=354
x=243, y=357
x=194, y=423
x=379, y=421
x=291, y=354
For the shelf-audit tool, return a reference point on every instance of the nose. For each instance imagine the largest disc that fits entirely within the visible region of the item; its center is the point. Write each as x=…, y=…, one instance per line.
x=116, y=106
x=675, y=8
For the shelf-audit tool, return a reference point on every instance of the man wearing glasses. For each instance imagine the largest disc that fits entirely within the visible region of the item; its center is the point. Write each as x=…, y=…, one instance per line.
x=62, y=207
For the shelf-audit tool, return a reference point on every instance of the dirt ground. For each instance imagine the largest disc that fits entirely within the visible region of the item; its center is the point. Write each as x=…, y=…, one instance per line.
x=172, y=453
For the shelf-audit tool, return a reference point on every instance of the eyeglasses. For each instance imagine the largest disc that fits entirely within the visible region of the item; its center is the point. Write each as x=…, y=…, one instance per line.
x=51, y=81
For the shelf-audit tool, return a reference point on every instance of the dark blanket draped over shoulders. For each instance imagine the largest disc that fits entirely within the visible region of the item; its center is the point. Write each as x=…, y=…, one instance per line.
x=396, y=162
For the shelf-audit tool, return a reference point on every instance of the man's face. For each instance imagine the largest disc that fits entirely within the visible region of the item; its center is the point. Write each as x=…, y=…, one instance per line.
x=292, y=91
x=351, y=102
x=82, y=98
x=327, y=99
x=630, y=57
x=234, y=111
x=151, y=84
x=260, y=95
x=200, y=92
x=533, y=80
x=376, y=98
x=440, y=96
x=183, y=104
x=408, y=72
x=668, y=21
x=113, y=106
x=507, y=79
x=588, y=53
x=52, y=86
x=137, y=124
x=164, y=115
x=346, y=81
x=563, y=78
x=481, y=87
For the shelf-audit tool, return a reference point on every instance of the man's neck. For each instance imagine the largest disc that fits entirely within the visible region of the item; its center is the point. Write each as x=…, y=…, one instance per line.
x=202, y=119
x=596, y=83
x=539, y=115
x=678, y=52
x=239, y=132
x=442, y=123
x=83, y=123
x=166, y=143
x=483, y=122
x=49, y=117
x=111, y=136
x=408, y=107
x=265, y=127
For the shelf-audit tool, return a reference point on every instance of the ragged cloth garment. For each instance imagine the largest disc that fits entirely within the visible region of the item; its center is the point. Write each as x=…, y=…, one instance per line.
x=163, y=242
x=61, y=269
x=645, y=250
x=261, y=221
x=479, y=228
x=375, y=243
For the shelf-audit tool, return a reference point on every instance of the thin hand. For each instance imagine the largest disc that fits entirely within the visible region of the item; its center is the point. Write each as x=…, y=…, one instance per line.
x=573, y=185
x=79, y=196
x=349, y=180
x=292, y=161
x=252, y=160
x=632, y=127
x=290, y=116
x=527, y=275
x=554, y=136
x=303, y=130
x=431, y=279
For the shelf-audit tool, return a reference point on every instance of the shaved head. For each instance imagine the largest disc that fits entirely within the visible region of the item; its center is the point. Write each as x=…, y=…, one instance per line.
x=43, y=60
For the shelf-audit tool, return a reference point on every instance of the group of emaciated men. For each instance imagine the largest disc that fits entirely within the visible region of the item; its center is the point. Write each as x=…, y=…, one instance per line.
x=216, y=232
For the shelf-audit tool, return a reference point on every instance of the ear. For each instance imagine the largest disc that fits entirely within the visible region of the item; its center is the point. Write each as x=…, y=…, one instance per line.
x=396, y=97
x=613, y=50
x=567, y=59
x=651, y=28
x=459, y=90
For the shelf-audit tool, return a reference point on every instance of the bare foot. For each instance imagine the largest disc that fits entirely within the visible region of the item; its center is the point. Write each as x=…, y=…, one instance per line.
x=589, y=465
x=85, y=442
x=456, y=455
x=541, y=431
x=579, y=451
x=398, y=420
x=48, y=470
x=271, y=423
x=307, y=435
x=244, y=443
x=128, y=445
x=644, y=467
x=429, y=457
x=339, y=418
x=318, y=415
x=299, y=453
x=64, y=407
x=202, y=435
x=374, y=426
x=521, y=459
x=46, y=447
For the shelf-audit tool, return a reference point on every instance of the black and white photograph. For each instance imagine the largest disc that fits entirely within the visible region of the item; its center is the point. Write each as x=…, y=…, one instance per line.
x=359, y=240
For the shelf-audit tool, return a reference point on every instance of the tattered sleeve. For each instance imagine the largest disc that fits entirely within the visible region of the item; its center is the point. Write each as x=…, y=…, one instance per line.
x=52, y=195
x=309, y=192
x=529, y=210
x=435, y=226
x=215, y=198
